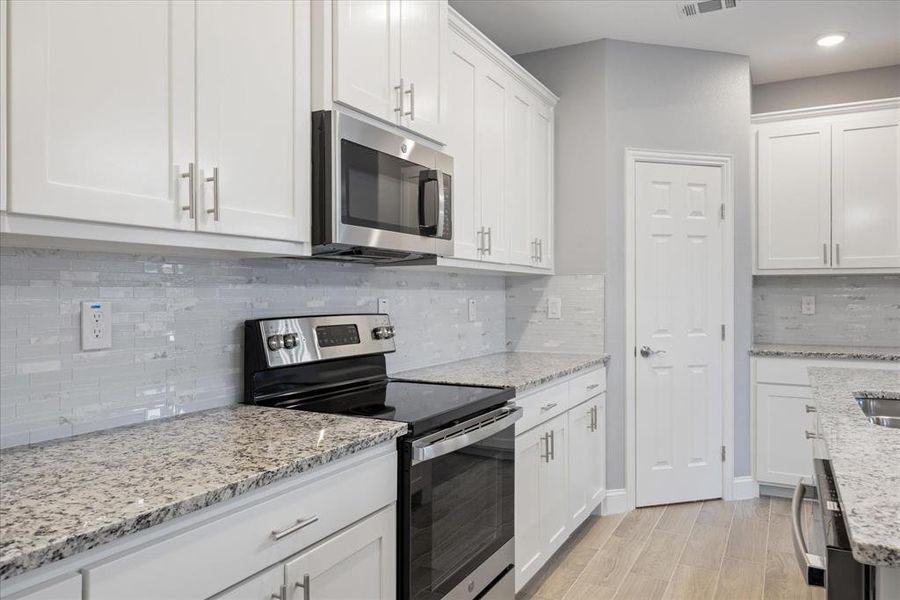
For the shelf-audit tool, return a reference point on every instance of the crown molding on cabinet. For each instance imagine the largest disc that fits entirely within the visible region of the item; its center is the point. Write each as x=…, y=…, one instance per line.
x=824, y=111
x=501, y=58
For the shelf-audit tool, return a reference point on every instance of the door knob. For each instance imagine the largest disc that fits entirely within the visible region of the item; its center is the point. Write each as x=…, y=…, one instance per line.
x=647, y=351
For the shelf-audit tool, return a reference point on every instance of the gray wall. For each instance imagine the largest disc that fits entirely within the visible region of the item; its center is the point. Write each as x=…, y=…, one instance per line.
x=623, y=95
x=177, y=337
x=851, y=310
x=838, y=88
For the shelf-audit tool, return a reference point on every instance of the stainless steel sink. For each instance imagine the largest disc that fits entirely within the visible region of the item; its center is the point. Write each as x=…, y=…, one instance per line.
x=880, y=410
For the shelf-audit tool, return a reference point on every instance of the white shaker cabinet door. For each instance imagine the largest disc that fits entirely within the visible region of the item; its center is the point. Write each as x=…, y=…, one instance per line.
x=794, y=196
x=554, y=479
x=253, y=125
x=423, y=60
x=541, y=183
x=782, y=420
x=366, y=56
x=530, y=550
x=597, y=480
x=581, y=422
x=522, y=246
x=462, y=72
x=102, y=104
x=358, y=562
x=490, y=148
x=866, y=190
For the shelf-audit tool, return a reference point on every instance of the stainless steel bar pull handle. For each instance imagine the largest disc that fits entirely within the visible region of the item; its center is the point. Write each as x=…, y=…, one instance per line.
x=402, y=93
x=190, y=177
x=300, y=524
x=812, y=436
x=824, y=254
x=546, y=453
x=480, y=235
x=552, y=445
x=214, y=211
x=810, y=408
x=412, y=102
x=549, y=406
x=490, y=242
x=305, y=586
x=282, y=593
x=837, y=253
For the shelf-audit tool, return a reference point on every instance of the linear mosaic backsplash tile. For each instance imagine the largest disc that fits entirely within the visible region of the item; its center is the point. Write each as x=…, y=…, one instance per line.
x=580, y=330
x=860, y=310
x=177, y=329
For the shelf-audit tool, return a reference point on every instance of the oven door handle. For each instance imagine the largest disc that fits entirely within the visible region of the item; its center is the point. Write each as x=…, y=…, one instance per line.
x=812, y=565
x=464, y=434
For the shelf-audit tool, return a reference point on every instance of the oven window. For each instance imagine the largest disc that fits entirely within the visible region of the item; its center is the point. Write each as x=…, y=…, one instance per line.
x=381, y=191
x=461, y=513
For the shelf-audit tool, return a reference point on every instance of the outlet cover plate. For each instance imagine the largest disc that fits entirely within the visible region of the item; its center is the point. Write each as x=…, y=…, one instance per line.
x=807, y=305
x=554, y=307
x=473, y=310
x=96, y=325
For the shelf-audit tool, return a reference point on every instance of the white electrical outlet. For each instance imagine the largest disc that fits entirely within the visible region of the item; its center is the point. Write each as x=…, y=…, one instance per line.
x=807, y=305
x=383, y=306
x=96, y=325
x=554, y=307
x=473, y=310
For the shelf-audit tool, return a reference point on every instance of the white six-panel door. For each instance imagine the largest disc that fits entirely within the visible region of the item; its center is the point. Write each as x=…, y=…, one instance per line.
x=794, y=196
x=253, y=123
x=866, y=191
x=102, y=97
x=679, y=290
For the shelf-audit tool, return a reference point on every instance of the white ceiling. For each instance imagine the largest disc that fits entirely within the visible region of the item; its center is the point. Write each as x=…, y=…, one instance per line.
x=777, y=35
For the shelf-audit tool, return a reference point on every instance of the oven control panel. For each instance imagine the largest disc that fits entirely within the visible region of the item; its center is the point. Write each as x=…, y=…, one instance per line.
x=296, y=340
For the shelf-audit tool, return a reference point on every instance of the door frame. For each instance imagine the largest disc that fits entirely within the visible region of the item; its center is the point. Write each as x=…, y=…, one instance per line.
x=726, y=163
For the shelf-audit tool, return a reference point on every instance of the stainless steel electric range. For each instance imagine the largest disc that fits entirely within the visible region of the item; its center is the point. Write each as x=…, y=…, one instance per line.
x=456, y=466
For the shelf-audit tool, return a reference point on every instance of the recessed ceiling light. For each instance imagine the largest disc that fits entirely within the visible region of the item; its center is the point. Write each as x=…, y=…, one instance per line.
x=830, y=39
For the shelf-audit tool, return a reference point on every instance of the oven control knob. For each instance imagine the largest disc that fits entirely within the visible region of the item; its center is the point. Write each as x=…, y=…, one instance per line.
x=275, y=342
x=383, y=333
x=290, y=340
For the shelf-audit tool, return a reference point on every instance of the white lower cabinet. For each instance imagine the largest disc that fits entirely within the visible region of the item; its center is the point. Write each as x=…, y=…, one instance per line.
x=560, y=467
x=786, y=426
x=357, y=562
x=68, y=588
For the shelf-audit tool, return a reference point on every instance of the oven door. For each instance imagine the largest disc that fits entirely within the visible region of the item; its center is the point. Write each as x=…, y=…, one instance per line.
x=392, y=192
x=456, y=538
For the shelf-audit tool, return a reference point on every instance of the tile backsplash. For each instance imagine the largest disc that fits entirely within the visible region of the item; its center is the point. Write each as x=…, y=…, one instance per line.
x=177, y=336
x=580, y=328
x=854, y=310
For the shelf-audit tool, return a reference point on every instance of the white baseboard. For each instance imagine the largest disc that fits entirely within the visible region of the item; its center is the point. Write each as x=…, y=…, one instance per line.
x=615, y=502
x=744, y=488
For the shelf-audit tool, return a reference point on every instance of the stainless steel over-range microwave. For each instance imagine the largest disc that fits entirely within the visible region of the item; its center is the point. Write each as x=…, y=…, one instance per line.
x=377, y=196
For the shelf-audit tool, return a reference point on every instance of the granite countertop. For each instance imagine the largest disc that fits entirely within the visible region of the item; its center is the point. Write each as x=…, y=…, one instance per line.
x=519, y=370
x=834, y=352
x=864, y=458
x=64, y=497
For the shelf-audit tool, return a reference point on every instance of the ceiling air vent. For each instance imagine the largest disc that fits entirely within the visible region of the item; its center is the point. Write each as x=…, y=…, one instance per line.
x=701, y=7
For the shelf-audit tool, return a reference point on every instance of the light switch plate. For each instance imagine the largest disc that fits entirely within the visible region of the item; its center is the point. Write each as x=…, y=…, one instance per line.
x=383, y=306
x=554, y=307
x=807, y=305
x=473, y=310
x=96, y=325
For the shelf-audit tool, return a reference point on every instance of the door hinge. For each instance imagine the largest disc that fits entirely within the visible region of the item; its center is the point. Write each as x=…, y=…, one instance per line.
x=635, y=351
x=723, y=332
x=722, y=211
x=723, y=453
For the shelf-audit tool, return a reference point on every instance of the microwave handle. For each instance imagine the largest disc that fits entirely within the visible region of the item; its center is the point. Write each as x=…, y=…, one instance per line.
x=426, y=177
x=441, y=204
x=812, y=565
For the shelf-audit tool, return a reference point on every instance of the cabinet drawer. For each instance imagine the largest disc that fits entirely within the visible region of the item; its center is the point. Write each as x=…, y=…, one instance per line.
x=784, y=371
x=204, y=560
x=542, y=405
x=587, y=386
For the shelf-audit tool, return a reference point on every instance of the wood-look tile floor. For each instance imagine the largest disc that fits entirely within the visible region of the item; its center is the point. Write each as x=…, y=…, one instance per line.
x=724, y=550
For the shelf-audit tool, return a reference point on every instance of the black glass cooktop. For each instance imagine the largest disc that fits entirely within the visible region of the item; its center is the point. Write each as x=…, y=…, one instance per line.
x=423, y=406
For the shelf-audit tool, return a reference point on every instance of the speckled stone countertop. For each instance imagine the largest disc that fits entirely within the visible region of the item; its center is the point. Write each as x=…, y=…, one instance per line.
x=833, y=352
x=64, y=497
x=519, y=370
x=865, y=459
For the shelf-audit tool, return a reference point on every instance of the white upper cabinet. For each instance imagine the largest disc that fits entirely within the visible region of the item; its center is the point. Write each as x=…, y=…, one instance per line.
x=253, y=126
x=500, y=134
x=389, y=60
x=366, y=56
x=828, y=191
x=866, y=190
x=101, y=101
x=183, y=115
x=794, y=191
